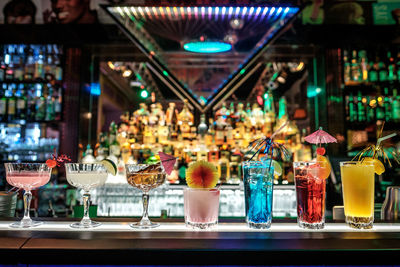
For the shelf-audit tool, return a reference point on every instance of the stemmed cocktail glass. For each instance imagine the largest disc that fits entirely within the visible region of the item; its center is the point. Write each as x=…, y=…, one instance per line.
x=27, y=176
x=86, y=176
x=145, y=177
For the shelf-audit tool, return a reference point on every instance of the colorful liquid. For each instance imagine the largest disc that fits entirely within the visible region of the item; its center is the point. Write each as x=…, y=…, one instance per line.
x=28, y=180
x=310, y=192
x=86, y=180
x=358, y=182
x=258, y=185
x=201, y=207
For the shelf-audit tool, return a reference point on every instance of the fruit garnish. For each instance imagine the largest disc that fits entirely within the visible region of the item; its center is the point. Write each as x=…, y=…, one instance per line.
x=57, y=160
x=51, y=163
x=202, y=174
x=321, y=151
x=378, y=165
x=325, y=170
x=277, y=168
x=110, y=166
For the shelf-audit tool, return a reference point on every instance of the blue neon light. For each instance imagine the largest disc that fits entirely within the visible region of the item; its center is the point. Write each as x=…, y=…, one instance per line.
x=95, y=89
x=207, y=47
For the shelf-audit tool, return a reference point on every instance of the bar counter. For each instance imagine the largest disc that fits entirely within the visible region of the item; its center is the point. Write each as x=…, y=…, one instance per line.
x=231, y=243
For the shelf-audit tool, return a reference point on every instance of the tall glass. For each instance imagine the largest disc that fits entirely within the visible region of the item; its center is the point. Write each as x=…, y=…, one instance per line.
x=145, y=177
x=201, y=207
x=358, y=182
x=27, y=176
x=258, y=179
x=86, y=176
x=310, y=193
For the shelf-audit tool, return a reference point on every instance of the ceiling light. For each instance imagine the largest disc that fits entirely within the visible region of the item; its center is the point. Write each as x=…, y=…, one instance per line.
x=207, y=47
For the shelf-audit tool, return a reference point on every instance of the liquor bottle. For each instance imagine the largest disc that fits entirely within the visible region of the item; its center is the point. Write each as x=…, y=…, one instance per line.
x=347, y=67
x=355, y=67
x=398, y=66
x=370, y=110
x=39, y=62
x=382, y=71
x=11, y=103
x=50, y=105
x=21, y=111
x=223, y=167
x=40, y=103
x=3, y=105
x=387, y=105
x=29, y=65
x=391, y=68
x=185, y=120
x=352, y=109
x=49, y=64
x=373, y=72
x=360, y=108
x=380, y=110
x=202, y=128
x=235, y=167
x=396, y=106
x=213, y=153
x=363, y=65
x=9, y=64
x=31, y=103
x=18, y=63
x=104, y=147
x=114, y=144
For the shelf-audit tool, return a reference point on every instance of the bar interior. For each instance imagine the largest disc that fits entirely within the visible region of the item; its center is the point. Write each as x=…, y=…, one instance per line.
x=164, y=129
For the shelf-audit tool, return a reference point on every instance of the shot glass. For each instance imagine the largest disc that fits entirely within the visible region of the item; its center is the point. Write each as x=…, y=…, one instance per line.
x=310, y=195
x=358, y=184
x=201, y=207
x=258, y=179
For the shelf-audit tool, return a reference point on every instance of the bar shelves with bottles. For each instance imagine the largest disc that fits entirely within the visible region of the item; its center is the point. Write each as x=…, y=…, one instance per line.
x=371, y=88
x=31, y=100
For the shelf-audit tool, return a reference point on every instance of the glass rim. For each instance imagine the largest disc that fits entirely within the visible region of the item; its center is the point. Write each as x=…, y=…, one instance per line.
x=79, y=163
x=344, y=163
x=202, y=189
x=25, y=163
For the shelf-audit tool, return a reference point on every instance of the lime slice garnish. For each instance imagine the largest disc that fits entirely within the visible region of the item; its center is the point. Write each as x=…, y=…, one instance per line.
x=110, y=166
x=277, y=168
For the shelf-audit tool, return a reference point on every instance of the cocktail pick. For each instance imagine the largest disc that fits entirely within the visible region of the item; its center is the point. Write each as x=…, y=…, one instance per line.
x=167, y=162
x=268, y=145
x=320, y=137
x=378, y=150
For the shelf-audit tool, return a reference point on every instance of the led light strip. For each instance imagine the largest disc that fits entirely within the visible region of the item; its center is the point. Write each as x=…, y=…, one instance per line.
x=218, y=12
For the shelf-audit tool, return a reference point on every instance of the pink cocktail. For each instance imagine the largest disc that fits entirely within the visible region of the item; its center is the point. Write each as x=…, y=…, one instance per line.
x=201, y=207
x=27, y=176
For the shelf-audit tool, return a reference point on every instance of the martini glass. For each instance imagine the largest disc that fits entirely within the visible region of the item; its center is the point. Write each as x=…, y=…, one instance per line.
x=145, y=177
x=86, y=176
x=27, y=176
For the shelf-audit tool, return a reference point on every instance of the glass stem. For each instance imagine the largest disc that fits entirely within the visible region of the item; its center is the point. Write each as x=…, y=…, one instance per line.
x=27, y=205
x=86, y=204
x=145, y=200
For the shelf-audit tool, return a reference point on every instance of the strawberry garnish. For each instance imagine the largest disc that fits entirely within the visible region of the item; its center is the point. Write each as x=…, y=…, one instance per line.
x=321, y=151
x=51, y=163
x=57, y=160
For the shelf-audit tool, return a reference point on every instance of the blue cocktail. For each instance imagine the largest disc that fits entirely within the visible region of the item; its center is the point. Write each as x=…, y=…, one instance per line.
x=258, y=179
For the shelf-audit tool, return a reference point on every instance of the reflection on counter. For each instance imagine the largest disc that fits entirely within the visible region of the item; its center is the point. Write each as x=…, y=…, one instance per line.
x=121, y=200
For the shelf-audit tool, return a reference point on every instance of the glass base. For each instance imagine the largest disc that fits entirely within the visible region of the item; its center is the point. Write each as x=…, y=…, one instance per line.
x=25, y=224
x=201, y=226
x=360, y=222
x=144, y=226
x=264, y=225
x=85, y=225
x=306, y=225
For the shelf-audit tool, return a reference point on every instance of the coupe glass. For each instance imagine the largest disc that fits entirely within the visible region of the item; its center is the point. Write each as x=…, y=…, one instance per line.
x=86, y=176
x=145, y=177
x=27, y=176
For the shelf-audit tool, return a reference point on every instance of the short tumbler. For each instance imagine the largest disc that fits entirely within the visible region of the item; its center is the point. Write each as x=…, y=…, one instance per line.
x=201, y=207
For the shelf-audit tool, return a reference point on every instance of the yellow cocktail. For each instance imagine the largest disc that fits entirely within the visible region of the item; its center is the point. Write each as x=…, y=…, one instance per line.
x=358, y=180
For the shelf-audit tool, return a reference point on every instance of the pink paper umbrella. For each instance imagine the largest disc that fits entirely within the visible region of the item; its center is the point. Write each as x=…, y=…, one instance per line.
x=167, y=161
x=320, y=137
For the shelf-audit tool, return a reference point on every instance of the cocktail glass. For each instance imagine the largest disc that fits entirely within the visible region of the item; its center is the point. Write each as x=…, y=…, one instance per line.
x=27, y=176
x=258, y=179
x=86, y=176
x=310, y=192
x=145, y=177
x=358, y=182
x=201, y=207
